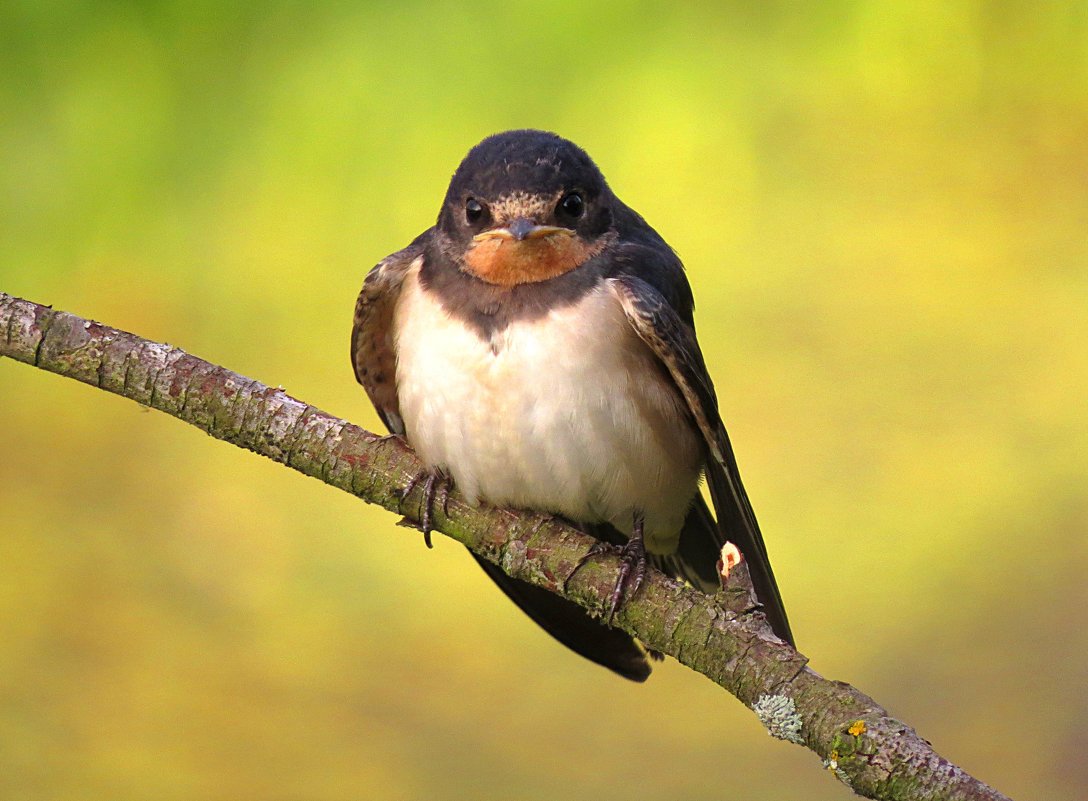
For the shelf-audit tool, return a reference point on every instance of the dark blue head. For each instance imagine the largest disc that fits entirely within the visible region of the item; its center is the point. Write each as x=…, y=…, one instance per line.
x=525, y=206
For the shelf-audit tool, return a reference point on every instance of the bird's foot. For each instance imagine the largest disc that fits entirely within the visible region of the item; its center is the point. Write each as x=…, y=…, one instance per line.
x=436, y=485
x=598, y=548
x=390, y=438
x=632, y=565
x=632, y=571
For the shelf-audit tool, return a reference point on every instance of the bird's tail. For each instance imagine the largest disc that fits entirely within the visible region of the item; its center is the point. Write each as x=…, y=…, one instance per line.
x=695, y=561
x=569, y=623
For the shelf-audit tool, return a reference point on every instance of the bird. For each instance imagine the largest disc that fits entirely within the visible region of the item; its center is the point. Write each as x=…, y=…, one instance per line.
x=536, y=348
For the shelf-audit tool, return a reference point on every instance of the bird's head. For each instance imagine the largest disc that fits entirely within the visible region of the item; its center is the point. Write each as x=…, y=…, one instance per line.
x=525, y=206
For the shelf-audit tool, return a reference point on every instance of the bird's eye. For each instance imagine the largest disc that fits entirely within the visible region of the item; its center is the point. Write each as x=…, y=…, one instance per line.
x=572, y=205
x=474, y=210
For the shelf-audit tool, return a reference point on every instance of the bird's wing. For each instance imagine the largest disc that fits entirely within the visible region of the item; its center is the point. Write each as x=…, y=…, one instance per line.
x=673, y=341
x=373, y=353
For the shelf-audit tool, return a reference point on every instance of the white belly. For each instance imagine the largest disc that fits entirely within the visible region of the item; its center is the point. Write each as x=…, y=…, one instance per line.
x=568, y=413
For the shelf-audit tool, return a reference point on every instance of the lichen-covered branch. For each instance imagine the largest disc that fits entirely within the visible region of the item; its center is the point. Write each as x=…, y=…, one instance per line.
x=720, y=636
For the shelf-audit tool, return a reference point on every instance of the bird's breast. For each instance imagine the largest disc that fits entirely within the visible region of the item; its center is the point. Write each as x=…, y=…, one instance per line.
x=568, y=412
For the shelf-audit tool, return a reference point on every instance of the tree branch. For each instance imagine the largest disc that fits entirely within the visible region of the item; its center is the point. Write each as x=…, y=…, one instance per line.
x=720, y=636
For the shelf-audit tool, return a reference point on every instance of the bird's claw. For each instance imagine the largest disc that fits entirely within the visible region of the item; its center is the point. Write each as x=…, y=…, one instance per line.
x=632, y=570
x=436, y=484
x=599, y=548
x=632, y=566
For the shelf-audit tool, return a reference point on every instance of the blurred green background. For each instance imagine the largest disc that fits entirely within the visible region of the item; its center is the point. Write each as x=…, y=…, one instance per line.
x=884, y=212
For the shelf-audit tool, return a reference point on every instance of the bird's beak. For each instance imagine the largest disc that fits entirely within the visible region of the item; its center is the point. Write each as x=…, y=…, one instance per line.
x=520, y=229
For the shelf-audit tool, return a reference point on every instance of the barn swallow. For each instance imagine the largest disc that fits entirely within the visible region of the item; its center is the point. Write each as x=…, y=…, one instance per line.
x=537, y=347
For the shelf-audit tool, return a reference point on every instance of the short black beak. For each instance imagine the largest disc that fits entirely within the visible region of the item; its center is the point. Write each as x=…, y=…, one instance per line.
x=521, y=228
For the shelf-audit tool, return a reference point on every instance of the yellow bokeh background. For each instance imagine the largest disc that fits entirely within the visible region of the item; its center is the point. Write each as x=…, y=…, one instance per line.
x=883, y=207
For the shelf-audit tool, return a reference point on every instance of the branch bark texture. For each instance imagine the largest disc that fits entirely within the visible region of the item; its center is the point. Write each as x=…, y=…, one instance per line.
x=721, y=636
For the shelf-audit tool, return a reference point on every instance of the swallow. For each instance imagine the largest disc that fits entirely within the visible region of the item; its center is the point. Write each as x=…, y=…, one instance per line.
x=536, y=347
